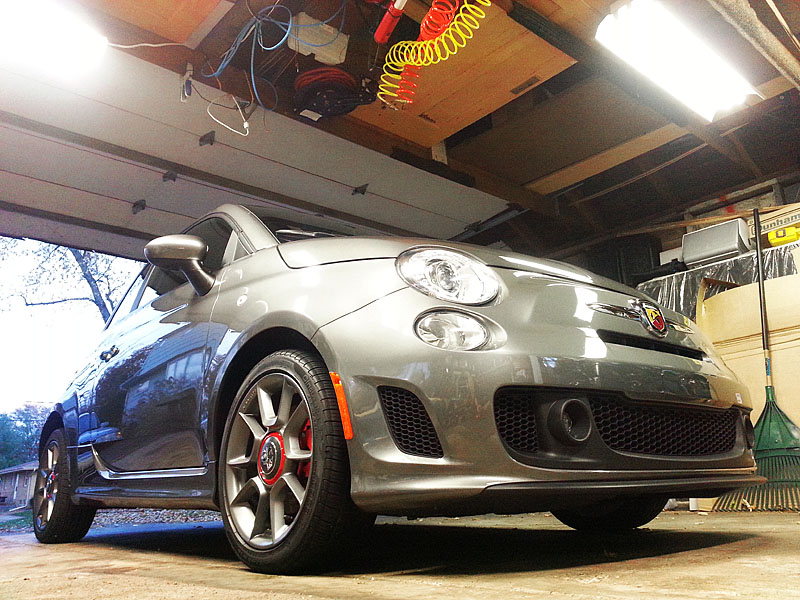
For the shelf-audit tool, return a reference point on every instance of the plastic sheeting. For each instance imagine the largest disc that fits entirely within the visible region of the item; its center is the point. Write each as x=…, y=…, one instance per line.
x=679, y=290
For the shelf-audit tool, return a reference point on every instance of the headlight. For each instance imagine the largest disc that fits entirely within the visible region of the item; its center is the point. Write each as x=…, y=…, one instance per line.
x=448, y=275
x=451, y=331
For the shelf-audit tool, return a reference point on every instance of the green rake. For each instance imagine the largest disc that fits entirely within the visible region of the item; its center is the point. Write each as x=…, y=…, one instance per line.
x=777, y=446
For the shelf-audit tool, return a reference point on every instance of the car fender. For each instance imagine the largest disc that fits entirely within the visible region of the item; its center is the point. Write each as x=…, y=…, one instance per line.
x=268, y=306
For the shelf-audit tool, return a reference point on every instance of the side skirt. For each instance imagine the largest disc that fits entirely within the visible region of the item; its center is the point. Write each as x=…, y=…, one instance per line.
x=102, y=486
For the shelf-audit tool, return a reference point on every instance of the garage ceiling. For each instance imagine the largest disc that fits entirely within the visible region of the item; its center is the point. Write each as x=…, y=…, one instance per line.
x=544, y=127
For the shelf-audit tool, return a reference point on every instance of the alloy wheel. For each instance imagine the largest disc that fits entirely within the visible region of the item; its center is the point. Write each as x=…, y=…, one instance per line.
x=268, y=460
x=46, y=485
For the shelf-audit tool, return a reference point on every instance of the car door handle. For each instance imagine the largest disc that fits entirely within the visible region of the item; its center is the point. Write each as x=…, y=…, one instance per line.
x=107, y=355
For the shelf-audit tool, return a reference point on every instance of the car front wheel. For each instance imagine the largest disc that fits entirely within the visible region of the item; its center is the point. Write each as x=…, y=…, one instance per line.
x=609, y=516
x=284, y=479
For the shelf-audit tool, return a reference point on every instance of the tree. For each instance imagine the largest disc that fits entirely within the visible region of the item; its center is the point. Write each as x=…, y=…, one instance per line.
x=57, y=274
x=29, y=420
x=11, y=443
x=19, y=434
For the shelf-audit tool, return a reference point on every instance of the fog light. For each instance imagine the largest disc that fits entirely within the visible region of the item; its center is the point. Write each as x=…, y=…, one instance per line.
x=570, y=421
x=749, y=432
x=451, y=331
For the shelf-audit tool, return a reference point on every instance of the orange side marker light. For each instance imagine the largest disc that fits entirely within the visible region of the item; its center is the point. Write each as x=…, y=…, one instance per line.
x=341, y=400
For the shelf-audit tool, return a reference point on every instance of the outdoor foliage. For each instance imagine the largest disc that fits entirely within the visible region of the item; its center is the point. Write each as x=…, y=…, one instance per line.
x=19, y=434
x=58, y=274
x=44, y=276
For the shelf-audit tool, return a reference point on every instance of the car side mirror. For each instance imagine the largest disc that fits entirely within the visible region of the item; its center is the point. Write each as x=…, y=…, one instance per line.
x=184, y=253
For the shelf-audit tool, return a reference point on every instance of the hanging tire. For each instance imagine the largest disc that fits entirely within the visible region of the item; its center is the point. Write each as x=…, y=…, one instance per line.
x=609, y=516
x=284, y=477
x=56, y=518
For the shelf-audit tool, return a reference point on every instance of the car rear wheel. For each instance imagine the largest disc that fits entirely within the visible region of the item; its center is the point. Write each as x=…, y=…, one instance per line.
x=610, y=516
x=284, y=478
x=55, y=517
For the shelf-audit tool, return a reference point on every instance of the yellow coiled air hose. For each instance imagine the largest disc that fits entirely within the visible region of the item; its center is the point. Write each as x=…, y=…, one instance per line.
x=423, y=53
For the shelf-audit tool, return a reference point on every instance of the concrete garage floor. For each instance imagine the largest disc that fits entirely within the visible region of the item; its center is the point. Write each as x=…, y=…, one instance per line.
x=682, y=555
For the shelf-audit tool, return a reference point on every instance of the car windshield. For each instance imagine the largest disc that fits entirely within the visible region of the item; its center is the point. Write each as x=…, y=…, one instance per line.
x=289, y=231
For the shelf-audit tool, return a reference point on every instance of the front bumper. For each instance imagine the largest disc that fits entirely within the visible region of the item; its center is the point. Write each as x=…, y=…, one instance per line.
x=548, y=348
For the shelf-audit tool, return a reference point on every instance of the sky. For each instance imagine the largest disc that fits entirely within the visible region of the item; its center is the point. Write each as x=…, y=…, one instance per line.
x=42, y=347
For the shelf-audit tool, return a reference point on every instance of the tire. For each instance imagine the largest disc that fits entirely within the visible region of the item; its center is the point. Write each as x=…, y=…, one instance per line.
x=611, y=516
x=56, y=519
x=283, y=475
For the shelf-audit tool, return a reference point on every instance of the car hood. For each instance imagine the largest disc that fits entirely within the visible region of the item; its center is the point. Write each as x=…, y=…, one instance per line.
x=322, y=251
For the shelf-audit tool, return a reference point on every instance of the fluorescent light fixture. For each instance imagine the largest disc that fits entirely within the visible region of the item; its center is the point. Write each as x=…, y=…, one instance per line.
x=650, y=39
x=45, y=36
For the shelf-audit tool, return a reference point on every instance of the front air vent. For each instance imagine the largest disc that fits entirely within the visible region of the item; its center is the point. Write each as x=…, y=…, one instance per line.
x=409, y=423
x=623, y=425
x=515, y=417
x=623, y=339
x=664, y=430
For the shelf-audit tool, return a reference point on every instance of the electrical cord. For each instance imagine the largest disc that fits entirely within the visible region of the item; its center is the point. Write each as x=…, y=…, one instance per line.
x=255, y=27
x=216, y=102
x=249, y=87
x=245, y=124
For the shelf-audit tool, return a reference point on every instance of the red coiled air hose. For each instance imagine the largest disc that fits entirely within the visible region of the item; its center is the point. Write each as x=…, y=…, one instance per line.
x=433, y=24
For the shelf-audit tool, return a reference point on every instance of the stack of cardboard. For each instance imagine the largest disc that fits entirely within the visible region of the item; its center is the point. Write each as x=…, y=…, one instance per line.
x=733, y=322
x=787, y=216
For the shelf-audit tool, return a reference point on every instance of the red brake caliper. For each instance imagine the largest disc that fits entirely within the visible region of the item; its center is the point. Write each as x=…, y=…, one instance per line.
x=304, y=470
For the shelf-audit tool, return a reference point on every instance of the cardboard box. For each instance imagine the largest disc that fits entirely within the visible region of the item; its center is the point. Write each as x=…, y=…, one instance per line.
x=732, y=319
x=789, y=215
x=733, y=322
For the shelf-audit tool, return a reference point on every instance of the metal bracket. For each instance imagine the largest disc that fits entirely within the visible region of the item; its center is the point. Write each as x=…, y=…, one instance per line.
x=208, y=138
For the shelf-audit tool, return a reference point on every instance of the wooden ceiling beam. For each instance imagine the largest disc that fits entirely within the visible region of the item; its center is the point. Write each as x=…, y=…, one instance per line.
x=629, y=150
x=727, y=148
x=605, y=160
x=657, y=181
x=744, y=19
x=746, y=156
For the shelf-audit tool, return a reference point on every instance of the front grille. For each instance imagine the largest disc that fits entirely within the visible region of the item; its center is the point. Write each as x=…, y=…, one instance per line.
x=623, y=425
x=623, y=339
x=409, y=423
x=664, y=430
x=514, y=414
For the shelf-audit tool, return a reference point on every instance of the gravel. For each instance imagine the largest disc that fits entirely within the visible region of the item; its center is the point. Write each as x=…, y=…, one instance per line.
x=136, y=516
x=116, y=517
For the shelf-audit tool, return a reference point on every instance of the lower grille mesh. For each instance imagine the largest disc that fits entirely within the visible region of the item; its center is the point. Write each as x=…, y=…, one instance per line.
x=409, y=423
x=624, y=426
x=514, y=414
x=664, y=430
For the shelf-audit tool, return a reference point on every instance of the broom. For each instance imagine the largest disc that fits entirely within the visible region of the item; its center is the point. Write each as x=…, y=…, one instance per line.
x=777, y=448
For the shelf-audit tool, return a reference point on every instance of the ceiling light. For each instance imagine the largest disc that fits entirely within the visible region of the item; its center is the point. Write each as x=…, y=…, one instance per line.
x=646, y=36
x=47, y=37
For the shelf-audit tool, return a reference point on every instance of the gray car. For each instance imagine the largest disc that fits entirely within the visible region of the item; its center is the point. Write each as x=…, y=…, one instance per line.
x=302, y=382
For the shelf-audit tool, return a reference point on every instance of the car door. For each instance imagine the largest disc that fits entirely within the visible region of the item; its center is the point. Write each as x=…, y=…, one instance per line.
x=91, y=427
x=149, y=392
